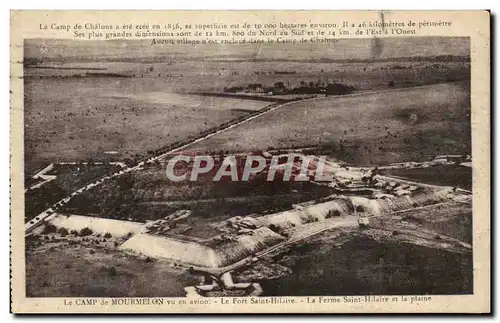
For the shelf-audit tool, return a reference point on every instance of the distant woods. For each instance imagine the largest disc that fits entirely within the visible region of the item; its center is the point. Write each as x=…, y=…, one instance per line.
x=279, y=88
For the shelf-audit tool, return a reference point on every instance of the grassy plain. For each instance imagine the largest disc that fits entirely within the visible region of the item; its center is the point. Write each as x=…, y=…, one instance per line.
x=366, y=128
x=83, y=98
x=364, y=266
x=74, y=119
x=456, y=175
x=79, y=110
x=59, y=269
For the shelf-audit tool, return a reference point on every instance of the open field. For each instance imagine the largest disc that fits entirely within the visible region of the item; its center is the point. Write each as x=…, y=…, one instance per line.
x=450, y=175
x=363, y=266
x=89, y=117
x=59, y=269
x=363, y=76
x=89, y=100
x=124, y=229
x=213, y=76
x=376, y=261
x=450, y=219
x=372, y=128
x=83, y=98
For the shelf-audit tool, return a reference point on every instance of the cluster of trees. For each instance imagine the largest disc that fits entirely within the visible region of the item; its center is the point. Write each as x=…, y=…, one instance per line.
x=50, y=228
x=338, y=89
x=274, y=72
x=304, y=88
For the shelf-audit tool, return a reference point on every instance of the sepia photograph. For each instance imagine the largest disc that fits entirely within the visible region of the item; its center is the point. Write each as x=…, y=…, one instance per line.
x=331, y=168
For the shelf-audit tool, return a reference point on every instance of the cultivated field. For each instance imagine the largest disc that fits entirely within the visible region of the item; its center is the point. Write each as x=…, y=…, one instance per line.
x=367, y=128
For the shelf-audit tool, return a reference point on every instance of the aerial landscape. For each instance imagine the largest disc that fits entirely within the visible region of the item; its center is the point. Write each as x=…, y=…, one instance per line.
x=387, y=122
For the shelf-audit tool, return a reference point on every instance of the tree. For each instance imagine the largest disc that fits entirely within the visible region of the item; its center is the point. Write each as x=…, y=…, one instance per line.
x=279, y=85
x=63, y=232
x=112, y=271
x=49, y=228
x=85, y=232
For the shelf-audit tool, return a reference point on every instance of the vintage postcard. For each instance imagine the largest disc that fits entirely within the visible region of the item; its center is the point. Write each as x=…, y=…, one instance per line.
x=250, y=161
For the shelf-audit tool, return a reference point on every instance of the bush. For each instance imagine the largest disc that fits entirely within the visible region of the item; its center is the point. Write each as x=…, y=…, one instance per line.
x=85, y=232
x=107, y=235
x=112, y=271
x=360, y=208
x=49, y=228
x=74, y=232
x=274, y=227
x=333, y=213
x=63, y=232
